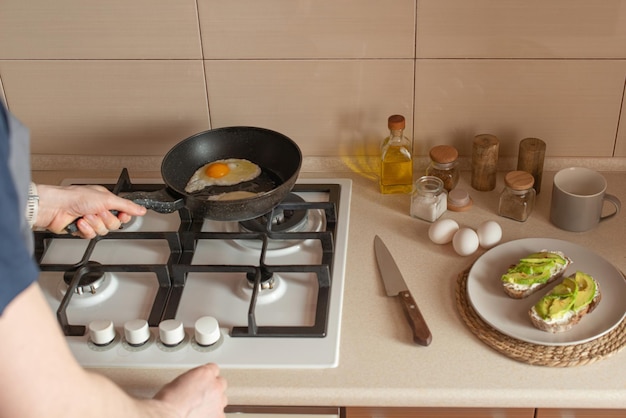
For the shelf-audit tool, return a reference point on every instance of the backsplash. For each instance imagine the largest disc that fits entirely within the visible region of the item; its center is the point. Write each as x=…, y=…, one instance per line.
x=132, y=78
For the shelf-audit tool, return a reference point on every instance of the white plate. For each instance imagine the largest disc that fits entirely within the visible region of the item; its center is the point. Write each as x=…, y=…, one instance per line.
x=510, y=316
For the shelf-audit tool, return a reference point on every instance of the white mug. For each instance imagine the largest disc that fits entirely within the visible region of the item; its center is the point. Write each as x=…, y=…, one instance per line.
x=578, y=196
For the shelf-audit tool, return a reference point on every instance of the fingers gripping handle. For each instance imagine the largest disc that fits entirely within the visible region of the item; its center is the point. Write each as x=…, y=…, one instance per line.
x=159, y=201
x=73, y=227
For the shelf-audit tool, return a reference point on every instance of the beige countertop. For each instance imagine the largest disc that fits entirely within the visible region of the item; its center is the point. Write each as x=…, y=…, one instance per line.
x=379, y=364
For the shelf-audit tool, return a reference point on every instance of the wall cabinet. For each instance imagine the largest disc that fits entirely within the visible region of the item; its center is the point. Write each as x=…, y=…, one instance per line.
x=283, y=412
x=580, y=413
x=372, y=412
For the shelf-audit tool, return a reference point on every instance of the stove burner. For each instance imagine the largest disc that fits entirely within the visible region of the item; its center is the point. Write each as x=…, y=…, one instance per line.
x=269, y=292
x=267, y=281
x=89, y=282
x=266, y=285
x=284, y=220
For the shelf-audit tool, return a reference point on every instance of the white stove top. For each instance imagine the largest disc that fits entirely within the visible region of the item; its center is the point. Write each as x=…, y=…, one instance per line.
x=223, y=294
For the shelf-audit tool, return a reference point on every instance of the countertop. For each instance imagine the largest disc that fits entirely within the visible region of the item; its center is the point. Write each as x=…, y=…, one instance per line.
x=379, y=363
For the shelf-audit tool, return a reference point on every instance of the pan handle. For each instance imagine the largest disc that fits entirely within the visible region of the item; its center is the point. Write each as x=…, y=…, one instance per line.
x=160, y=201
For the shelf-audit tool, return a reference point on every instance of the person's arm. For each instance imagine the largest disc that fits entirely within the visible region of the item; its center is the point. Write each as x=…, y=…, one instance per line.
x=40, y=377
x=59, y=206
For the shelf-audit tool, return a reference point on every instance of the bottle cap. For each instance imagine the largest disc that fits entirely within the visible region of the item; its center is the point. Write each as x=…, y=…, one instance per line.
x=519, y=180
x=444, y=154
x=396, y=122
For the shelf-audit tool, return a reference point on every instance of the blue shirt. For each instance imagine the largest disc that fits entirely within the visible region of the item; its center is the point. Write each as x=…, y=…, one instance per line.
x=18, y=269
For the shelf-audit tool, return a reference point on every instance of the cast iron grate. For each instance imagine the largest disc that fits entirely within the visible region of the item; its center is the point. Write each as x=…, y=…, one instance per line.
x=171, y=276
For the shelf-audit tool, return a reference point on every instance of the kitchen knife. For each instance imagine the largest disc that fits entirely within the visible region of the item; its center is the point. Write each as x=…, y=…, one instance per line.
x=396, y=286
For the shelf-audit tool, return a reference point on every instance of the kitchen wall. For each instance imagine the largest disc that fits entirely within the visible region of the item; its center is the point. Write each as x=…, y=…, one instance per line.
x=134, y=77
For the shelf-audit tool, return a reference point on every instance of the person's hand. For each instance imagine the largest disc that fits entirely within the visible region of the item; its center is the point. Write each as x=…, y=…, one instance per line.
x=60, y=206
x=200, y=392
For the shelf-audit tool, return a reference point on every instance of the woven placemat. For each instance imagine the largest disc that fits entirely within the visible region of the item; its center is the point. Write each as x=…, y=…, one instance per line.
x=535, y=354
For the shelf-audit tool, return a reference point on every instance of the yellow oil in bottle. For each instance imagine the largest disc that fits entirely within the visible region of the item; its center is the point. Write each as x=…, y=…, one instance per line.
x=396, y=171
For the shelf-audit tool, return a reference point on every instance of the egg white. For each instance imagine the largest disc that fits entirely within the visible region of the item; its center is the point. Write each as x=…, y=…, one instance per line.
x=240, y=170
x=236, y=195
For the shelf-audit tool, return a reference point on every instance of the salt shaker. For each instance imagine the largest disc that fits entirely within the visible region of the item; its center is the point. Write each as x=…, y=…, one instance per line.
x=518, y=196
x=429, y=199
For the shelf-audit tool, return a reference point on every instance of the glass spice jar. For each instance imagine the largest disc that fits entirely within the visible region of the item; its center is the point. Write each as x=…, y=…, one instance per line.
x=518, y=196
x=429, y=199
x=443, y=164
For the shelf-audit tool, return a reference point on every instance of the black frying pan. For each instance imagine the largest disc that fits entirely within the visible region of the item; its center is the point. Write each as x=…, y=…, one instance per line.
x=278, y=157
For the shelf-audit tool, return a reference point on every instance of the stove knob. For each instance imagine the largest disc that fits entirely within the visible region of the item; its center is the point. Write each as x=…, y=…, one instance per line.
x=101, y=332
x=136, y=332
x=171, y=332
x=207, y=331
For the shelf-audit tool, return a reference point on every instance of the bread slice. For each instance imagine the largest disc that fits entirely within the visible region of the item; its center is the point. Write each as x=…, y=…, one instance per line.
x=518, y=290
x=564, y=321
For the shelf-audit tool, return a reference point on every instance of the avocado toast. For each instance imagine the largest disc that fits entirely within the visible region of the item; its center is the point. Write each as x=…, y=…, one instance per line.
x=566, y=304
x=534, y=272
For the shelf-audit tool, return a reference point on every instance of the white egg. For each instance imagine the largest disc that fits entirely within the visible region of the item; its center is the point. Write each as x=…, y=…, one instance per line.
x=465, y=241
x=442, y=231
x=489, y=234
x=222, y=173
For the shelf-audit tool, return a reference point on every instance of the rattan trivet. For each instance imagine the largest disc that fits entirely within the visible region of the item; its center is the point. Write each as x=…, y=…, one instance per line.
x=535, y=354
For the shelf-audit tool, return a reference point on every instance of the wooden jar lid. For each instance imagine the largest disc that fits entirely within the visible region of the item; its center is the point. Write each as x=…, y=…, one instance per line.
x=444, y=154
x=519, y=180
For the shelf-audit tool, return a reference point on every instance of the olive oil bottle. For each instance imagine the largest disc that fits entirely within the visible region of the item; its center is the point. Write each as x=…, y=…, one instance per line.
x=396, y=165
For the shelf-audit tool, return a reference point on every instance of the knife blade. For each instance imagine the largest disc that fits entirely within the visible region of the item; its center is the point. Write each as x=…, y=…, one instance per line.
x=396, y=286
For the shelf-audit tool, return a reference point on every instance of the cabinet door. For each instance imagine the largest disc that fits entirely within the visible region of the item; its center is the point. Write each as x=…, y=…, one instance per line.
x=580, y=413
x=372, y=412
x=282, y=412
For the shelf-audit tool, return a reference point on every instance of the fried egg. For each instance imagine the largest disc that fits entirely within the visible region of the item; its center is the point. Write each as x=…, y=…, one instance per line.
x=237, y=195
x=226, y=172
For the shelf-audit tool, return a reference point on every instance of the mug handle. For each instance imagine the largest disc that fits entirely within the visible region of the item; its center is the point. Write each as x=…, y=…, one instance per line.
x=615, y=201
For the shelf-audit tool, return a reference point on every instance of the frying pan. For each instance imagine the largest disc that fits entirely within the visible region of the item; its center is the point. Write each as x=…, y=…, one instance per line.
x=278, y=156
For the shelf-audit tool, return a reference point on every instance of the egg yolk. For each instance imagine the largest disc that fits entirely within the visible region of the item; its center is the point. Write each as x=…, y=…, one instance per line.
x=217, y=170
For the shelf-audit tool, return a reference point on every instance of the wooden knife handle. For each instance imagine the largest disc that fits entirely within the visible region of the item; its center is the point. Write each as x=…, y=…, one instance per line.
x=421, y=333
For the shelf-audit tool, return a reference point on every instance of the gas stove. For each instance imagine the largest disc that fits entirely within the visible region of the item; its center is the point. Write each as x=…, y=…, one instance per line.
x=173, y=291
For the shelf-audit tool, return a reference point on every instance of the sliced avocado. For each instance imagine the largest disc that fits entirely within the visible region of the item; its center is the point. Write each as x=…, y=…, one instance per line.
x=564, y=289
x=559, y=301
x=526, y=278
x=571, y=284
x=560, y=306
x=543, y=267
x=586, y=290
x=535, y=268
x=543, y=306
x=552, y=307
x=542, y=256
